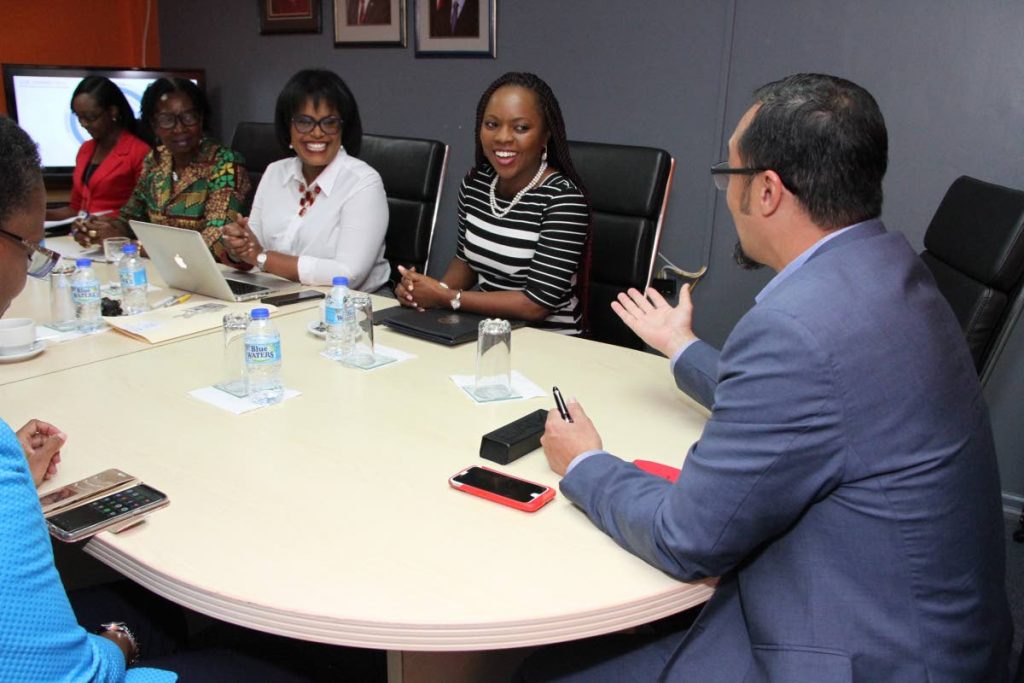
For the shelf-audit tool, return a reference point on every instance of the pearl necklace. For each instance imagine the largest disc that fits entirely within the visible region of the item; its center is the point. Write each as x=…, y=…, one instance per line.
x=501, y=213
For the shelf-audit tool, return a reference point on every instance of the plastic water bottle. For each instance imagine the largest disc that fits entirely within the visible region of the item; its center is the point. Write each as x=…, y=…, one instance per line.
x=263, y=359
x=134, y=283
x=339, y=317
x=85, y=294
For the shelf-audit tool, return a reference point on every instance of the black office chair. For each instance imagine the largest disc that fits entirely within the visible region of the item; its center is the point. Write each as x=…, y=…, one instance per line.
x=258, y=144
x=413, y=173
x=628, y=188
x=974, y=247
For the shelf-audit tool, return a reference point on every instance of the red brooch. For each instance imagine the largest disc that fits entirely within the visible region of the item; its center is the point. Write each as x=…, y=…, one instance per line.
x=307, y=198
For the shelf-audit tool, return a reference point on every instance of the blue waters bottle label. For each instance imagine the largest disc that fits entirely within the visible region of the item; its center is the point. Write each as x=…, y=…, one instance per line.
x=333, y=315
x=133, y=277
x=85, y=292
x=263, y=353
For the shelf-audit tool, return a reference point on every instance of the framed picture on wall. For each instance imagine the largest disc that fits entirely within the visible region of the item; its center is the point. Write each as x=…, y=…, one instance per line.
x=289, y=16
x=456, y=28
x=369, y=22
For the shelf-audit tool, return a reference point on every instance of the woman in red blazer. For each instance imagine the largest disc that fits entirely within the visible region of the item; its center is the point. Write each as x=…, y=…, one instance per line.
x=108, y=165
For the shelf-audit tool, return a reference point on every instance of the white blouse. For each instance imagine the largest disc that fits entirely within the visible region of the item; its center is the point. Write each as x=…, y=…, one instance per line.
x=342, y=231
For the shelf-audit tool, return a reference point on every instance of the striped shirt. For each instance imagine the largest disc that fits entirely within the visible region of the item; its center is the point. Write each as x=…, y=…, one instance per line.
x=536, y=248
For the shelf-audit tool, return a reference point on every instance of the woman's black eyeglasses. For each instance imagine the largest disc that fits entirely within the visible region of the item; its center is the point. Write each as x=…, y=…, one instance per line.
x=40, y=259
x=166, y=120
x=330, y=125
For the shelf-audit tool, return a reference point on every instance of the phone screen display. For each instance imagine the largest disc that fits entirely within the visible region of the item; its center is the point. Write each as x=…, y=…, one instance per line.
x=294, y=298
x=108, y=508
x=500, y=484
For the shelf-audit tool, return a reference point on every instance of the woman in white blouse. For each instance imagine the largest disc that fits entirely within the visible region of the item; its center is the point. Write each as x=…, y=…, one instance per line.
x=323, y=212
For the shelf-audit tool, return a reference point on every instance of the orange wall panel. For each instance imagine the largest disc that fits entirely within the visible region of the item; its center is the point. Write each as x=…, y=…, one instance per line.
x=76, y=33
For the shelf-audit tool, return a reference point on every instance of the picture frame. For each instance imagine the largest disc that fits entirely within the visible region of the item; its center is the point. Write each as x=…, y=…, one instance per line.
x=289, y=16
x=369, y=23
x=472, y=33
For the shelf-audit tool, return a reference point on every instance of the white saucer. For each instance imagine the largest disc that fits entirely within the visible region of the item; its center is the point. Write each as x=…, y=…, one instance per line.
x=34, y=350
x=317, y=328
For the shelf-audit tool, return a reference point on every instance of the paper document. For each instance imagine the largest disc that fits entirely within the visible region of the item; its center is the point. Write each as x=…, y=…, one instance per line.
x=198, y=314
x=81, y=215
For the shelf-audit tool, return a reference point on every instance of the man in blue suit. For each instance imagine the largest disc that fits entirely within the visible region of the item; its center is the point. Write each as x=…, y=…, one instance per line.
x=845, y=487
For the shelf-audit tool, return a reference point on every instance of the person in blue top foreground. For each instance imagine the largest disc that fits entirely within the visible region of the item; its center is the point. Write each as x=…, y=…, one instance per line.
x=845, y=487
x=40, y=639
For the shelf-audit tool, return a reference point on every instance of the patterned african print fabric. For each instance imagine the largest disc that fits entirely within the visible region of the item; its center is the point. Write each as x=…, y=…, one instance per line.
x=209, y=194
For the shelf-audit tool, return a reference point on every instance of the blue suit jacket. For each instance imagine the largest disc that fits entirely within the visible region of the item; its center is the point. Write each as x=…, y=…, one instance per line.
x=845, y=487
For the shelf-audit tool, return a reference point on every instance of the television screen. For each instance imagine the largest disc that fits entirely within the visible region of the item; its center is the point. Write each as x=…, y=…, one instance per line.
x=39, y=99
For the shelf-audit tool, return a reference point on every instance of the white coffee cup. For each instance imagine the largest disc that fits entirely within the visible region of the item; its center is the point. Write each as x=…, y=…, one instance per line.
x=17, y=335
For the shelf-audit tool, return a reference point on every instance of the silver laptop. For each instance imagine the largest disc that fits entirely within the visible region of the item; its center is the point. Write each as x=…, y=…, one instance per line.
x=184, y=262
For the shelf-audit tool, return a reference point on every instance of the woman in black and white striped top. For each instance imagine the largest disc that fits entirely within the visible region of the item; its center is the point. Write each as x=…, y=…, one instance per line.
x=524, y=220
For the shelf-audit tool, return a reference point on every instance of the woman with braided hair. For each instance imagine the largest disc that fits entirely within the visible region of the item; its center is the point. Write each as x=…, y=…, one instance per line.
x=524, y=219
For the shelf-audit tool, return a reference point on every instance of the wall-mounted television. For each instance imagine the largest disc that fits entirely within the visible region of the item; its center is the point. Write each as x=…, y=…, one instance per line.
x=39, y=99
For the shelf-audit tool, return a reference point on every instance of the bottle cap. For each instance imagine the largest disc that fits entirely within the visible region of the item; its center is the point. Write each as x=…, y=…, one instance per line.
x=260, y=314
x=339, y=280
x=83, y=262
x=130, y=248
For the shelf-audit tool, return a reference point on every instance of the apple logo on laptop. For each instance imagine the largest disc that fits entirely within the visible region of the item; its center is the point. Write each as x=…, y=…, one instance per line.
x=180, y=262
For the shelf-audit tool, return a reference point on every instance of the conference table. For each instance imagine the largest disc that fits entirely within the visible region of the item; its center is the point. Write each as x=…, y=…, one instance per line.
x=328, y=517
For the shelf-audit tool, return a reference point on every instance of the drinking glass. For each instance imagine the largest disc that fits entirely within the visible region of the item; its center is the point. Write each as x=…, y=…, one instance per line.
x=233, y=381
x=493, y=360
x=112, y=247
x=62, y=308
x=362, y=354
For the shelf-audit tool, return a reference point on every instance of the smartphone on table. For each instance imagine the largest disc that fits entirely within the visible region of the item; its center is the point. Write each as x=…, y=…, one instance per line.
x=502, y=488
x=106, y=481
x=117, y=509
x=293, y=297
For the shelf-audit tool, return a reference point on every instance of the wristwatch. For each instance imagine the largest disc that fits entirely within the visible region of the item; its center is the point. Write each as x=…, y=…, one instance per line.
x=121, y=628
x=457, y=301
x=261, y=261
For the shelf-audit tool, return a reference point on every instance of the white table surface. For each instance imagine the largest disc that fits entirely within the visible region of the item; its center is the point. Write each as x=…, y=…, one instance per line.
x=329, y=517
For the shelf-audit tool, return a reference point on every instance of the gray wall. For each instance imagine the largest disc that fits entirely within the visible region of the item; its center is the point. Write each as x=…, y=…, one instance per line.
x=946, y=73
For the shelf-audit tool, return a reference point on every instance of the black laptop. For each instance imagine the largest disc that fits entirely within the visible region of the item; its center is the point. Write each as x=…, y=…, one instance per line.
x=450, y=328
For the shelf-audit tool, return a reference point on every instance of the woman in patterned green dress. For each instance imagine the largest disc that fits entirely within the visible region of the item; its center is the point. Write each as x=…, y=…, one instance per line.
x=188, y=180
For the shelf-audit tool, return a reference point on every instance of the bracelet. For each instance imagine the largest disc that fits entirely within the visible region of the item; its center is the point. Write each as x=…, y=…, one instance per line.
x=122, y=628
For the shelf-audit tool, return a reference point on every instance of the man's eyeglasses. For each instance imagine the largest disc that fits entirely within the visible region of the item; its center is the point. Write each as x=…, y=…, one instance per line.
x=40, y=259
x=330, y=125
x=187, y=119
x=721, y=173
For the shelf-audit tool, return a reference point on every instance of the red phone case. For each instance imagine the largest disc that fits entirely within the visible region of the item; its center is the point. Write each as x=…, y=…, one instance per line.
x=534, y=505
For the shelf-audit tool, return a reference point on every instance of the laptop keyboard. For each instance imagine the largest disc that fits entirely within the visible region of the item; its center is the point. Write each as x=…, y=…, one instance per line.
x=242, y=288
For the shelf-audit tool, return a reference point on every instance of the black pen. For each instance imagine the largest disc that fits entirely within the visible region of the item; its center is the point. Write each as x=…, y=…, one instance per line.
x=560, y=402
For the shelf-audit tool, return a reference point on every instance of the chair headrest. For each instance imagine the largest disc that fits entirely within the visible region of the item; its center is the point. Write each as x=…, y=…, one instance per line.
x=409, y=167
x=622, y=179
x=979, y=229
x=258, y=144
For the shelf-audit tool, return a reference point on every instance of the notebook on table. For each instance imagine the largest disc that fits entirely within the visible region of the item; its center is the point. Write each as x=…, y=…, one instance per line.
x=441, y=326
x=184, y=262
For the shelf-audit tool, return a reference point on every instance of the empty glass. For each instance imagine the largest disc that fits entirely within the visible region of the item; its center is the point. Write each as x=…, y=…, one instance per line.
x=112, y=253
x=493, y=360
x=233, y=380
x=362, y=355
x=62, y=308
